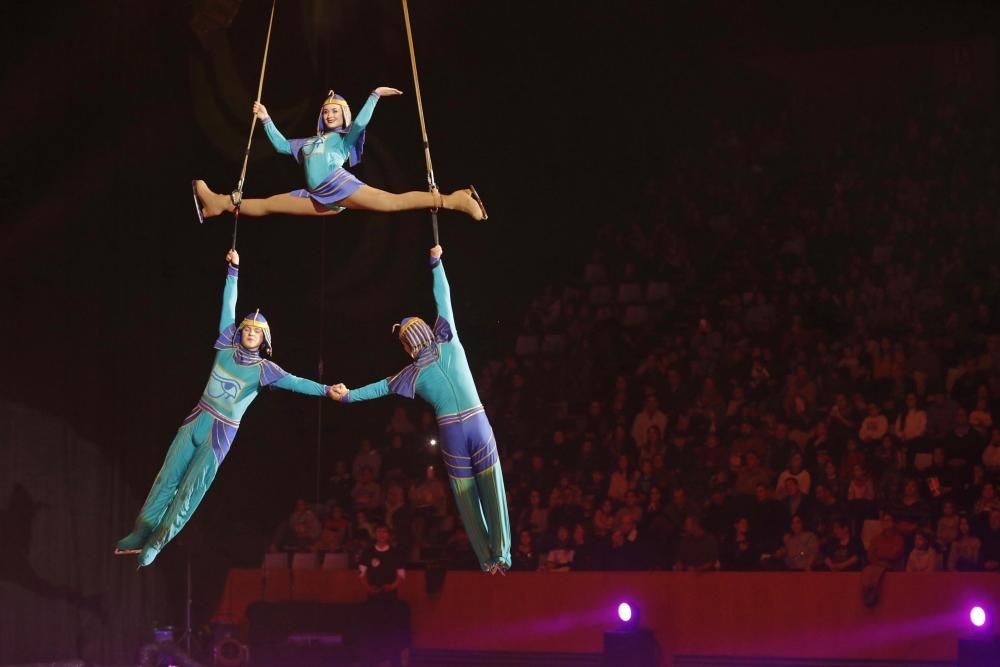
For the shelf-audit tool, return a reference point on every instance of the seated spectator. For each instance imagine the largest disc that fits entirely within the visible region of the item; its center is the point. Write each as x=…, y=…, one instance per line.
x=843, y=552
x=987, y=502
x=621, y=554
x=860, y=498
x=562, y=509
x=794, y=471
x=646, y=478
x=534, y=517
x=939, y=478
x=911, y=425
x=429, y=495
x=604, y=519
x=300, y=531
x=651, y=415
x=712, y=455
x=842, y=419
x=652, y=444
x=697, y=551
x=559, y=557
x=980, y=419
x=749, y=440
x=797, y=503
x=991, y=542
x=654, y=523
x=751, y=474
x=524, y=557
x=739, y=551
x=399, y=423
x=852, y=458
x=910, y=511
x=661, y=473
x=874, y=426
x=364, y=528
x=801, y=546
x=366, y=494
x=964, y=442
x=334, y=533
x=681, y=455
x=947, y=525
x=965, y=552
x=826, y=506
x=923, y=558
x=622, y=479
x=886, y=548
x=680, y=506
x=631, y=508
x=833, y=482
x=585, y=553
x=540, y=476
x=991, y=454
x=884, y=456
x=368, y=457
x=397, y=514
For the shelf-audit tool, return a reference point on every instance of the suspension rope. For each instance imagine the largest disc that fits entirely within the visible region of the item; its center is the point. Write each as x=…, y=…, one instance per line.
x=431, y=184
x=238, y=192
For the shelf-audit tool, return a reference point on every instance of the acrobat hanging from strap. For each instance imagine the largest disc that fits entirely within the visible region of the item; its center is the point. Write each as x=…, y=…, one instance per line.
x=440, y=375
x=205, y=436
x=331, y=188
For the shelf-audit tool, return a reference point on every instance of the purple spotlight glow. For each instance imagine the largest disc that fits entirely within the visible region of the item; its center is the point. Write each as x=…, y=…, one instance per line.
x=625, y=612
x=978, y=616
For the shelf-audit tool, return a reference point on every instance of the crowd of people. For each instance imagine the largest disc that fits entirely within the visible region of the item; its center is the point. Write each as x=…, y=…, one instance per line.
x=791, y=362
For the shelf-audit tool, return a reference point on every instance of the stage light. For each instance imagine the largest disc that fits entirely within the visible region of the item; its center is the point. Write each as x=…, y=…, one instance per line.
x=978, y=616
x=432, y=442
x=629, y=644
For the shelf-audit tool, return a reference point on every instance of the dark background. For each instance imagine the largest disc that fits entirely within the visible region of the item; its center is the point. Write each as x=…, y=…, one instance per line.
x=562, y=114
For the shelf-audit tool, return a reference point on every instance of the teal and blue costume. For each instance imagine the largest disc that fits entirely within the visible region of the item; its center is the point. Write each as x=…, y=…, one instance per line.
x=324, y=155
x=206, y=435
x=440, y=375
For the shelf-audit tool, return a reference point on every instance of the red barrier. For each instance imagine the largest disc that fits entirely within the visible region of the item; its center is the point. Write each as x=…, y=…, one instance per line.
x=918, y=617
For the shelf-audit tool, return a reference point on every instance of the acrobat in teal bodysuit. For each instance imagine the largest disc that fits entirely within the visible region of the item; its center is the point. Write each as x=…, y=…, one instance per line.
x=329, y=187
x=205, y=436
x=441, y=376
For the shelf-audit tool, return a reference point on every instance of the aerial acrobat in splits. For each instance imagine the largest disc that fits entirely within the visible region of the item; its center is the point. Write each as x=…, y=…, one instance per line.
x=440, y=375
x=331, y=188
x=205, y=436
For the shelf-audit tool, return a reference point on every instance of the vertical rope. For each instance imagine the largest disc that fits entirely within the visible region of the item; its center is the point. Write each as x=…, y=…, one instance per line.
x=319, y=365
x=253, y=124
x=431, y=184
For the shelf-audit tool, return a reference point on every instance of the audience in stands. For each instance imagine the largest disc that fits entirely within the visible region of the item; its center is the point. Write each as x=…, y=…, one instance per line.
x=789, y=360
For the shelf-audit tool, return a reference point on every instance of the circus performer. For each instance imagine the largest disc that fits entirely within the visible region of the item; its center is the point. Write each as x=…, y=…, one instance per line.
x=440, y=375
x=331, y=188
x=238, y=374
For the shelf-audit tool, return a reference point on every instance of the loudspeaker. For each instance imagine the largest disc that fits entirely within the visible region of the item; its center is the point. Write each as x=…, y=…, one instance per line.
x=978, y=651
x=635, y=648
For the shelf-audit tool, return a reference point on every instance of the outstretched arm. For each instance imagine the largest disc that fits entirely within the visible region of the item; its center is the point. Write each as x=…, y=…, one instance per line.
x=442, y=291
x=228, y=316
x=302, y=386
x=359, y=124
x=340, y=392
x=271, y=130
